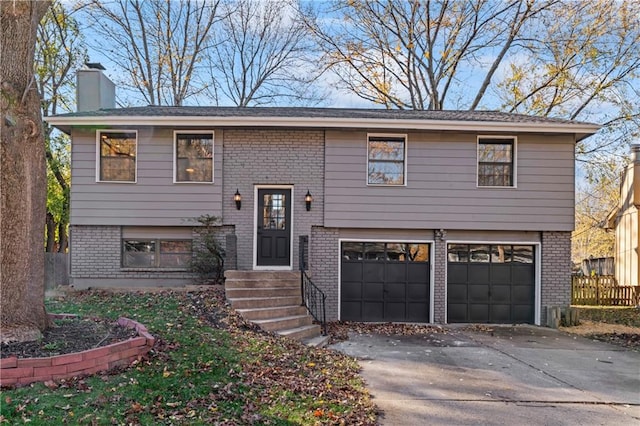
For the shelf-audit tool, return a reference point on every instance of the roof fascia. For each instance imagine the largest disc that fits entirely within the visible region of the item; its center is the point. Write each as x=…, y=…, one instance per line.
x=582, y=130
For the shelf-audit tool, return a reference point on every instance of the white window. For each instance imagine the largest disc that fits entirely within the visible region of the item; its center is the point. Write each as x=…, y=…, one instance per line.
x=193, y=157
x=496, y=161
x=116, y=155
x=386, y=160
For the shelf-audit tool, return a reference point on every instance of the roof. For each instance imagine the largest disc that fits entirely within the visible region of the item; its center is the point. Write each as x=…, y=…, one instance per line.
x=322, y=118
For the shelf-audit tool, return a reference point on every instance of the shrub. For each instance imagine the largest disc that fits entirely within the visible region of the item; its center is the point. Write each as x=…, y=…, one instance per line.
x=207, y=262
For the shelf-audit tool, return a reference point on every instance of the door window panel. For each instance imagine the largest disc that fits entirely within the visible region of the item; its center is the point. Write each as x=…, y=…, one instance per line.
x=479, y=253
x=274, y=211
x=352, y=251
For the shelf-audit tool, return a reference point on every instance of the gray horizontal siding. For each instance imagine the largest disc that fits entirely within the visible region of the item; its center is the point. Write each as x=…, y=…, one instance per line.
x=154, y=200
x=441, y=190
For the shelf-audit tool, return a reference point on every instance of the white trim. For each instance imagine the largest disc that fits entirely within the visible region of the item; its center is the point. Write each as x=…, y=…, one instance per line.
x=404, y=164
x=255, y=230
x=537, y=267
x=514, y=159
x=580, y=129
x=393, y=240
x=98, y=163
x=175, y=154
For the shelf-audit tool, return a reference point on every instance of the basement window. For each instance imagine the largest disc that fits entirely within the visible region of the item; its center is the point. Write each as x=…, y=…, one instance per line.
x=149, y=253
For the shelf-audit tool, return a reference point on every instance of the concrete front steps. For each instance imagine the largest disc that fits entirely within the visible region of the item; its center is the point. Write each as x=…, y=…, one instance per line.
x=272, y=300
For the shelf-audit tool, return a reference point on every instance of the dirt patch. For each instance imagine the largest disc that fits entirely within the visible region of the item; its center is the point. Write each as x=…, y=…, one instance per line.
x=69, y=336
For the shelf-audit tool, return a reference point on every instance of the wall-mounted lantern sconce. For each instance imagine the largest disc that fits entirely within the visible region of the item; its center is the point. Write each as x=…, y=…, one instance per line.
x=308, y=199
x=238, y=199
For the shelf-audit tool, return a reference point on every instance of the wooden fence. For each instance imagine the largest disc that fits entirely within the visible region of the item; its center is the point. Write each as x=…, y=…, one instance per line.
x=603, y=291
x=56, y=270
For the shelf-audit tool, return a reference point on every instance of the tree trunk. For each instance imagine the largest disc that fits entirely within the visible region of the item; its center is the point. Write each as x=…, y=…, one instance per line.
x=51, y=234
x=63, y=240
x=22, y=176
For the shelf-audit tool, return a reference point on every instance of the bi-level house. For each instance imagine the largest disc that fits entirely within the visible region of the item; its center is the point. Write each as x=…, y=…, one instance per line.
x=418, y=216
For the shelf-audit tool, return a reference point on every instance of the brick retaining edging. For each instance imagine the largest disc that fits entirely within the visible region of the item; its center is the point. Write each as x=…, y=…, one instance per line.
x=22, y=371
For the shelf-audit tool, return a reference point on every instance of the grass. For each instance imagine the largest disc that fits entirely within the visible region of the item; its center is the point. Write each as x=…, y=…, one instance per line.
x=197, y=374
x=611, y=314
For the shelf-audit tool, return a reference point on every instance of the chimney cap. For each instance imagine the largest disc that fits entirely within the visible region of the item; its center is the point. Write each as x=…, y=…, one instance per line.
x=95, y=66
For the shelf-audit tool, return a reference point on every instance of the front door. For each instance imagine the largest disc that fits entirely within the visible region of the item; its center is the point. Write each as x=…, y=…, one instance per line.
x=274, y=227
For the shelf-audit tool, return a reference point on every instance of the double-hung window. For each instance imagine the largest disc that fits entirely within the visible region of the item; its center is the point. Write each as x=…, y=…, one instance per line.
x=386, y=160
x=117, y=151
x=193, y=157
x=496, y=161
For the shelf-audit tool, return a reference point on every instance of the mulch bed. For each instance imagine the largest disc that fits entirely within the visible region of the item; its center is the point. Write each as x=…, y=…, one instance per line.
x=69, y=336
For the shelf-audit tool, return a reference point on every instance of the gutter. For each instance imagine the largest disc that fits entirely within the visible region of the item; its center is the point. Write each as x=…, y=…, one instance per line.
x=581, y=130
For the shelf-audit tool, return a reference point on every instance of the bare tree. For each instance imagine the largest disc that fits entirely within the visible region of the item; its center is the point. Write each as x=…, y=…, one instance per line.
x=59, y=52
x=596, y=197
x=583, y=62
x=158, y=43
x=262, y=55
x=22, y=176
x=414, y=54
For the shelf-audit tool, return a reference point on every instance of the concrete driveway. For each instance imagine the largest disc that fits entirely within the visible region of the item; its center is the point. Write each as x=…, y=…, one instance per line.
x=520, y=375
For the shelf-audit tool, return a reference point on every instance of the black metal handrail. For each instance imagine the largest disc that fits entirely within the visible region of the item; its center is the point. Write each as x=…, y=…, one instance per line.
x=312, y=297
x=314, y=300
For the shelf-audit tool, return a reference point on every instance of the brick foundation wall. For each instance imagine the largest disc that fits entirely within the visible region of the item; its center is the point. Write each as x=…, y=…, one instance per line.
x=439, y=279
x=272, y=157
x=556, y=271
x=324, y=258
x=96, y=260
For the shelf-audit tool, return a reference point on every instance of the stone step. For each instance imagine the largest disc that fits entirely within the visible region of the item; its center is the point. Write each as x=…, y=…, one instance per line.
x=284, y=323
x=261, y=283
x=319, y=341
x=273, y=312
x=301, y=333
x=264, y=302
x=262, y=275
x=271, y=300
x=235, y=293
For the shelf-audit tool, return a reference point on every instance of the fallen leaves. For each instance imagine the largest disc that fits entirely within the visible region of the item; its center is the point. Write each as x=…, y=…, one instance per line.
x=208, y=366
x=339, y=330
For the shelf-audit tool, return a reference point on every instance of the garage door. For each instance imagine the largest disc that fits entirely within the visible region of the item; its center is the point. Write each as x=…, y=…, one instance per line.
x=490, y=283
x=384, y=282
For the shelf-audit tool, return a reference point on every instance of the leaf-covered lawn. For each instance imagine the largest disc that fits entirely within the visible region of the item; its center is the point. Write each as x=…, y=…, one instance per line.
x=208, y=367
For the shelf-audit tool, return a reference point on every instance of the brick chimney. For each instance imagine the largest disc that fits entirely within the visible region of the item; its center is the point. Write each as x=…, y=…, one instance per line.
x=635, y=161
x=94, y=90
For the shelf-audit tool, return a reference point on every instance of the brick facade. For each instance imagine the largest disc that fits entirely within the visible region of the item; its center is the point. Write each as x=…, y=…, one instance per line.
x=556, y=271
x=324, y=258
x=272, y=157
x=96, y=260
x=439, y=284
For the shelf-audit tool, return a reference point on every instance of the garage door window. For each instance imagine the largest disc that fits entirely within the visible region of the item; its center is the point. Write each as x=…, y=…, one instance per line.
x=390, y=252
x=482, y=253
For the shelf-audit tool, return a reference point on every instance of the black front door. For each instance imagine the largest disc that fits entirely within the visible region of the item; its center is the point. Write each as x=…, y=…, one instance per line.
x=274, y=227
